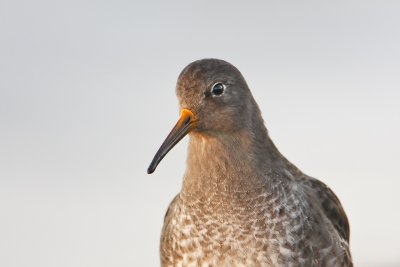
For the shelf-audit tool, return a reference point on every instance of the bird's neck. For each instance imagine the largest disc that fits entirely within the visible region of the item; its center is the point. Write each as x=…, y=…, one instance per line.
x=221, y=164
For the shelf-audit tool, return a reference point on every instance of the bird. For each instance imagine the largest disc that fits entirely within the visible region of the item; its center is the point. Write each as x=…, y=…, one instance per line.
x=242, y=203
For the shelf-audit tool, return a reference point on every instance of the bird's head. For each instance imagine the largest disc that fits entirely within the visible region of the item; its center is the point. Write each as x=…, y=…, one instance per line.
x=214, y=100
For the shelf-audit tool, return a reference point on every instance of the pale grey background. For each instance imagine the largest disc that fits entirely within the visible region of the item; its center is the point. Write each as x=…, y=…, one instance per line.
x=87, y=96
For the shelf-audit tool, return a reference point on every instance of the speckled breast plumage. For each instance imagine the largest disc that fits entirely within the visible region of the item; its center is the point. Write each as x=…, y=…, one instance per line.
x=271, y=227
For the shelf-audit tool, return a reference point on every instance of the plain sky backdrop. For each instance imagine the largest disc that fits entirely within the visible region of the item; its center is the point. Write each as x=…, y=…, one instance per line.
x=87, y=95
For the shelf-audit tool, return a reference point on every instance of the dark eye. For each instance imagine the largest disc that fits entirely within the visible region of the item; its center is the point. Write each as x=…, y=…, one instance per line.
x=218, y=88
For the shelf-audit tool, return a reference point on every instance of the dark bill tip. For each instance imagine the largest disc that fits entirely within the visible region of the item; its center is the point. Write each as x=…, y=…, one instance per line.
x=151, y=168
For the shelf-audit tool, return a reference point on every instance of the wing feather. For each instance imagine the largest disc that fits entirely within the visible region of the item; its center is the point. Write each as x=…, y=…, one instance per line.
x=331, y=206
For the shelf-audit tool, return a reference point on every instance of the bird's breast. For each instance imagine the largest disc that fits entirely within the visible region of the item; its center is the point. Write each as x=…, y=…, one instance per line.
x=263, y=230
x=222, y=235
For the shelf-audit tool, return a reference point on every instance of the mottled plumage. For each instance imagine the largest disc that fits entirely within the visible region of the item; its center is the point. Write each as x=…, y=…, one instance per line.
x=242, y=203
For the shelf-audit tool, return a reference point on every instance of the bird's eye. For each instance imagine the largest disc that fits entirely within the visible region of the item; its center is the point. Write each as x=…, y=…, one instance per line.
x=218, y=88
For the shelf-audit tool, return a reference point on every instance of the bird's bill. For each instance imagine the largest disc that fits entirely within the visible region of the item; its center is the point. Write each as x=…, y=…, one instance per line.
x=185, y=123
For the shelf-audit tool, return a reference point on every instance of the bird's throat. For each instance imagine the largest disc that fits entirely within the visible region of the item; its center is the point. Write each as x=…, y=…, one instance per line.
x=221, y=165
